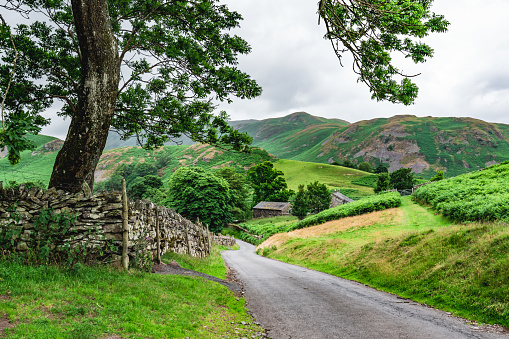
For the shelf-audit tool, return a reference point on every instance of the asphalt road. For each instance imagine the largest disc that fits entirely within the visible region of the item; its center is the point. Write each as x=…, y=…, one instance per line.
x=294, y=302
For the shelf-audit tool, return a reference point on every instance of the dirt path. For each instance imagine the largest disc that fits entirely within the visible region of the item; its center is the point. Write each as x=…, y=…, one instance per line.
x=295, y=302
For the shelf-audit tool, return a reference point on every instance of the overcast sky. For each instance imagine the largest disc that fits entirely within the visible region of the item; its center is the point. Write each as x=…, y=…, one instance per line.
x=298, y=70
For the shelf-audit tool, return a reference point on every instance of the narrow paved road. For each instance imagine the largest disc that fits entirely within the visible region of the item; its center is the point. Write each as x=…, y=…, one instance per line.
x=295, y=302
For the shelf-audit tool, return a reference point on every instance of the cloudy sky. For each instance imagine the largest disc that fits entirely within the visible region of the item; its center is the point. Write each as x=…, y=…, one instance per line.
x=297, y=68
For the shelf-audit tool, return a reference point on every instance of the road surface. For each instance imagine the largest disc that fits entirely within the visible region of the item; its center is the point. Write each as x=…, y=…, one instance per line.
x=294, y=302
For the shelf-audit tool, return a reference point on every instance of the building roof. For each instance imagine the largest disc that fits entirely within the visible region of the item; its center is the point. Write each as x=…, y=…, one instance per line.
x=269, y=205
x=341, y=196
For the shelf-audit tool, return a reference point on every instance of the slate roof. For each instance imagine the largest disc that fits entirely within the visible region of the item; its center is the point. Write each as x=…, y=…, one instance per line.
x=342, y=196
x=269, y=205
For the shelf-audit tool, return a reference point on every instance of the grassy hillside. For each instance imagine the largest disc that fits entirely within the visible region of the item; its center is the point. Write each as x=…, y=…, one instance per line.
x=454, y=145
x=427, y=145
x=37, y=165
x=302, y=173
x=291, y=135
x=34, y=165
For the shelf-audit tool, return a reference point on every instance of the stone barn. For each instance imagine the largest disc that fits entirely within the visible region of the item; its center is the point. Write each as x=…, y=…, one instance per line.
x=339, y=199
x=266, y=209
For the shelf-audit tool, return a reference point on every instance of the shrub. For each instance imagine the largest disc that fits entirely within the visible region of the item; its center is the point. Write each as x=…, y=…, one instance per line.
x=362, y=206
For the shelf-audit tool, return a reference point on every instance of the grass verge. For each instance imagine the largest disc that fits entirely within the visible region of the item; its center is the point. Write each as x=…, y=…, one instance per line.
x=87, y=302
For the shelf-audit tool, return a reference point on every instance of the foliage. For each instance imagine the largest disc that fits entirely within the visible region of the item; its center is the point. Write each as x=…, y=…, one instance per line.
x=381, y=169
x=366, y=167
x=362, y=206
x=368, y=181
x=14, y=134
x=268, y=183
x=198, y=194
x=371, y=31
x=319, y=197
x=349, y=164
x=239, y=192
x=266, y=227
x=478, y=196
x=177, y=60
x=383, y=183
x=300, y=204
x=402, y=179
x=439, y=176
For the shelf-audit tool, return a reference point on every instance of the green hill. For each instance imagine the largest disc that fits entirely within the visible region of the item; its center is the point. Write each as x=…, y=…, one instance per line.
x=289, y=136
x=427, y=145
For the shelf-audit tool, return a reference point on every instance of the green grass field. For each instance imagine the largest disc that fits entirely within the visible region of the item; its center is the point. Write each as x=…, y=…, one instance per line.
x=53, y=302
x=302, y=173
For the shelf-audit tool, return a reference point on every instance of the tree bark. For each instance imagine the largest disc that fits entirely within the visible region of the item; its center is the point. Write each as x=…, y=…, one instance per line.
x=88, y=131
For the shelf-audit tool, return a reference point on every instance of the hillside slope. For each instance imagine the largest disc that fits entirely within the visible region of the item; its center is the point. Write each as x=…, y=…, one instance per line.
x=427, y=145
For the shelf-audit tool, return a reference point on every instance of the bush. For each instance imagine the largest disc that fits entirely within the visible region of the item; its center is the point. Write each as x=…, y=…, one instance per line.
x=362, y=206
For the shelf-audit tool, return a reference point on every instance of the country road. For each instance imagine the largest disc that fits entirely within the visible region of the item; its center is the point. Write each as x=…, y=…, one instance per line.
x=298, y=303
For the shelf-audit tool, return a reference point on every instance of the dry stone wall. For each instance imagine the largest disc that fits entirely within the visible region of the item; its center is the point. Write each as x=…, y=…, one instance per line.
x=103, y=213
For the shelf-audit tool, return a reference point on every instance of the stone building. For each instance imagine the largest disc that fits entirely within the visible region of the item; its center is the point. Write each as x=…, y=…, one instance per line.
x=267, y=209
x=339, y=199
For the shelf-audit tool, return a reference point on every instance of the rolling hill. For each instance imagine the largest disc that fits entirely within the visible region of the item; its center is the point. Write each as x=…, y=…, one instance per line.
x=427, y=145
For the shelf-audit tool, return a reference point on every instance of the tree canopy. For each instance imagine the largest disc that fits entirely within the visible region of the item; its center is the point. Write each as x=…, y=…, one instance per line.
x=145, y=68
x=372, y=30
x=268, y=183
x=196, y=193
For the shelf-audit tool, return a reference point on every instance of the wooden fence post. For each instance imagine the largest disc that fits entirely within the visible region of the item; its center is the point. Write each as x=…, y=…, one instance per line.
x=158, y=237
x=125, y=228
x=208, y=238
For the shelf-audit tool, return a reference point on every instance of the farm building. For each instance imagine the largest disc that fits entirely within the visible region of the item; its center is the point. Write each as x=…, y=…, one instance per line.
x=267, y=209
x=339, y=199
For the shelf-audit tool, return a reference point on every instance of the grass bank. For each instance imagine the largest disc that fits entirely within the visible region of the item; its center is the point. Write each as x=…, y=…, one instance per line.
x=411, y=252
x=86, y=302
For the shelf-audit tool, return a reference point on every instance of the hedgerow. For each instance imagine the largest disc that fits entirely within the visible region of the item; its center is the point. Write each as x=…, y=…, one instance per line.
x=362, y=206
x=478, y=196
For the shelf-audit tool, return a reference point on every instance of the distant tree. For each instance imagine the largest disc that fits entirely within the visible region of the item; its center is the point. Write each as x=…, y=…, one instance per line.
x=402, y=179
x=349, y=164
x=239, y=192
x=268, y=183
x=153, y=181
x=300, y=203
x=381, y=169
x=196, y=193
x=383, y=183
x=439, y=176
x=318, y=197
x=365, y=166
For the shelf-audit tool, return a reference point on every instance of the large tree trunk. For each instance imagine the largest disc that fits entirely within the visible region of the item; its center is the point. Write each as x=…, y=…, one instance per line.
x=78, y=158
